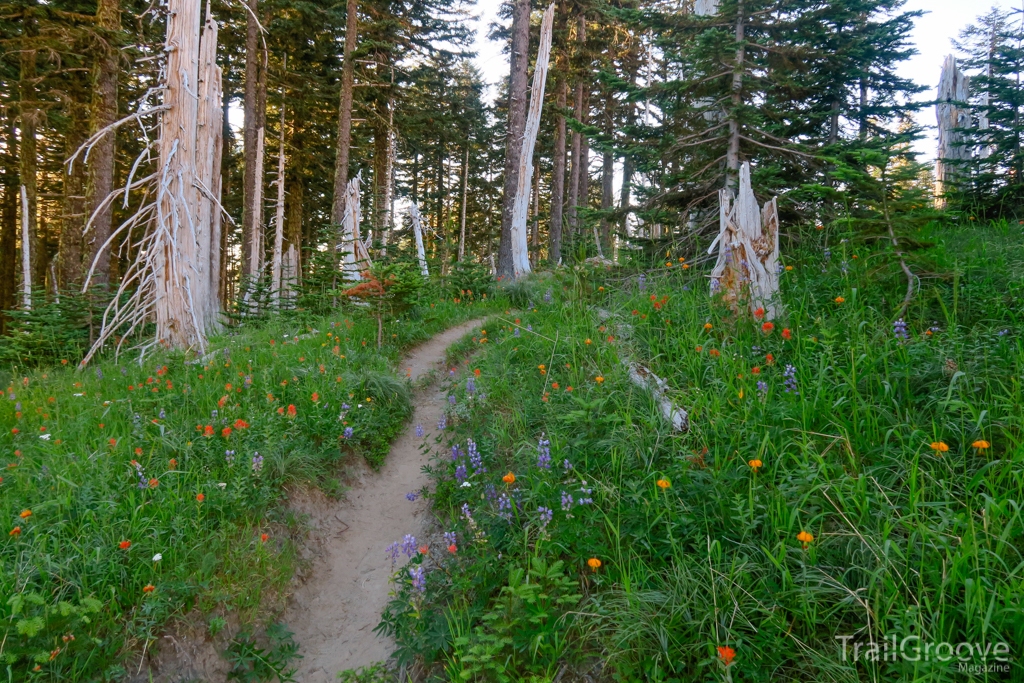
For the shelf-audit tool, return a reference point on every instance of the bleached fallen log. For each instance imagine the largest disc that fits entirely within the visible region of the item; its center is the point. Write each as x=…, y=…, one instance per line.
x=26, y=253
x=417, y=231
x=520, y=208
x=747, y=270
x=953, y=116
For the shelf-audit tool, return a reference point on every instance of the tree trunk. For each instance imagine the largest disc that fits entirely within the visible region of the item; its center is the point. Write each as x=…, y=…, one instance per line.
x=518, y=64
x=535, y=230
x=382, y=171
x=732, y=158
x=607, y=200
x=30, y=119
x=254, y=142
x=278, y=258
x=208, y=157
x=558, y=178
x=26, y=250
x=101, y=167
x=577, y=137
x=345, y=115
x=292, y=267
x=462, y=207
x=179, y=321
x=417, y=231
x=9, y=222
x=520, y=248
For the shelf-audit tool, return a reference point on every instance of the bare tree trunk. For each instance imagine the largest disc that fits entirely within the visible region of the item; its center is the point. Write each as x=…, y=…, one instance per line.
x=208, y=151
x=101, y=167
x=179, y=322
x=462, y=208
x=26, y=250
x=558, y=178
x=9, y=222
x=732, y=158
x=953, y=116
x=535, y=231
x=862, y=112
x=381, y=171
x=577, y=137
x=30, y=117
x=417, y=231
x=520, y=248
x=277, y=263
x=345, y=114
x=518, y=63
x=292, y=268
x=607, y=199
x=252, y=181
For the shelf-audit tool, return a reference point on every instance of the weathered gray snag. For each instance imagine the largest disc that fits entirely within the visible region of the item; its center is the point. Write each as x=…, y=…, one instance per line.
x=953, y=115
x=520, y=245
x=278, y=258
x=209, y=144
x=747, y=270
x=417, y=231
x=26, y=251
x=354, y=256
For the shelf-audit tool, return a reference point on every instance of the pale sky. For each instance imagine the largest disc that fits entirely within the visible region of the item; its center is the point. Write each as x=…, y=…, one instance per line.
x=932, y=36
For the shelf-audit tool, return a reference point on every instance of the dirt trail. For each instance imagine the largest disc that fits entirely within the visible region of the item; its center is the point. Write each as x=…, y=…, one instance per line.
x=333, y=613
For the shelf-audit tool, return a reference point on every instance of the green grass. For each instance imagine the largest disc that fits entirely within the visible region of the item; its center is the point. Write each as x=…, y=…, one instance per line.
x=191, y=462
x=908, y=541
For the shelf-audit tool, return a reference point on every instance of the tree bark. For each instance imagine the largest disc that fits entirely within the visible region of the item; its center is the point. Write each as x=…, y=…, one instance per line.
x=278, y=257
x=382, y=171
x=417, y=231
x=535, y=230
x=253, y=133
x=732, y=158
x=26, y=250
x=518, y=63
x=179, y=321
x=462, y=207
x=607, y=199
x=208, y=157
x=345, y=114
x=101, y=167
x=9, y=222
x=74, y=207
x=558, y=178
x=30, y=119
x=577, y=137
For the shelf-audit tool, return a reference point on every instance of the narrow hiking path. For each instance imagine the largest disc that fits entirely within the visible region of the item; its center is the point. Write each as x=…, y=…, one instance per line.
x=333, y=613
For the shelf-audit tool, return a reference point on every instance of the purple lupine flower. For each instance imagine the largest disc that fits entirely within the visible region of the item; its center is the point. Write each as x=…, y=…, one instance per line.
x=545, y=517
x=566, y=501
x=419, y=578
x=899, y=329
x=419, y=431
x=470, y=386
x=466, y=514
x=762, y=387
x=790, y=375
x=162, y=414
x=490, y=493
x=229, y=456
x=1003, y=333
x=451, y=373
x=547, y=297
x=17, y=406
x=409, y=545
x=475, y=459
x=347, y=433
x=456, y=452
x=452, y=399
x=566, y=465
x=392, y=552
x=12, y=397
x=828, y=253
x=584, y=499
x=411, y=496
x=213, y=414
x=460, y=473
x=345, y=406
x=442, y=423
x=124, y=372
x=544, y=453
x=715, y=285
x=449, y=538
x=505, y=507
x=529, y=328
x=247, y=381
x=642, y=282
x=99, y=374
x=516, y=333
x=257, y=463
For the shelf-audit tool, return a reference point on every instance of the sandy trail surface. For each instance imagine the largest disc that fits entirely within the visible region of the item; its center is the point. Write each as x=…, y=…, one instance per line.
x=333, y=613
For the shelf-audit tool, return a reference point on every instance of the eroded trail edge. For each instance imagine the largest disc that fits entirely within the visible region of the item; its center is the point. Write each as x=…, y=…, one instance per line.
x=333, y=613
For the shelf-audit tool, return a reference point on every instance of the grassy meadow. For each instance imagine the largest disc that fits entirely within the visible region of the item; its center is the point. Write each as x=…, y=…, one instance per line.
x=847, y=477
x=139, y=493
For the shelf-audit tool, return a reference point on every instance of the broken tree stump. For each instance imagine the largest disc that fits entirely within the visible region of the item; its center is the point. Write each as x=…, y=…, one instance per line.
x=747, y=270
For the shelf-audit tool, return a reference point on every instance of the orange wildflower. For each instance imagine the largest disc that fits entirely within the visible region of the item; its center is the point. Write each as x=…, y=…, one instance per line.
x=805, y=538
x=149, y=588
x=16, y=531
x=981, y=444
x=291, y=410
x=755, y=464
x=768, y=327
x=726, y=654
x=208, y=430
x=939, y=446
x=594, y=563
x=124, y=545
x=663, y=483
x=25, y=514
